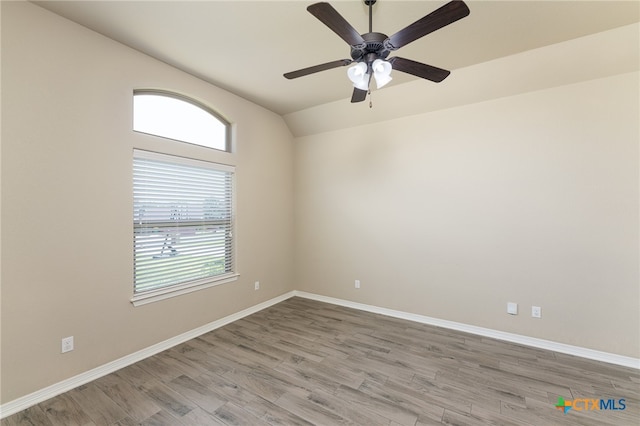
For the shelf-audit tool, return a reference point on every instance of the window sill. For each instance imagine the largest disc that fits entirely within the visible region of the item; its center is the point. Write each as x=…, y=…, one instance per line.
x=166, y=293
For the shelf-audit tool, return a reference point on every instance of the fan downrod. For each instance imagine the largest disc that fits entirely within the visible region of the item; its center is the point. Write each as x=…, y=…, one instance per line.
x=373, y=42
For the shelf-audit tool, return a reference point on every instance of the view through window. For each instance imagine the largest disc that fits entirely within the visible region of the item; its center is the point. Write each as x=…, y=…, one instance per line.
x=175, y=117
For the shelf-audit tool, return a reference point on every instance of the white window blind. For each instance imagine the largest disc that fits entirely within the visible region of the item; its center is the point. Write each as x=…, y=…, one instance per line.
x=182, y=222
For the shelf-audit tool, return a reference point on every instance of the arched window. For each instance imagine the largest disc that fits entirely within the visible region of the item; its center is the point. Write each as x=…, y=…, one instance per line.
x=173, y=116
x=183, y=208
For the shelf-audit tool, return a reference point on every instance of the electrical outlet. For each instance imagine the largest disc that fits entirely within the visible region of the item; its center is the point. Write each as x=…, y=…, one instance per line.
x=357, y=283
x=512, y=308
x=67, y=344
x=536, y=312
x=257, y=285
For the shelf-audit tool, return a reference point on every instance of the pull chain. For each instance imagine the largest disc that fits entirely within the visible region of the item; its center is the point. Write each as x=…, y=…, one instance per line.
x=370, y=100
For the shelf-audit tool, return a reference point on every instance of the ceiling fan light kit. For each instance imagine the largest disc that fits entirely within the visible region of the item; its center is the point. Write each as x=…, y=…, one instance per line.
x=359, y=75
x=381, y=72
x=369, y=51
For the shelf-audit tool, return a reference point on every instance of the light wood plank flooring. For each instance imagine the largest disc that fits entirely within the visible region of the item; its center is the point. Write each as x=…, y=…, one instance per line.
x=303, y=362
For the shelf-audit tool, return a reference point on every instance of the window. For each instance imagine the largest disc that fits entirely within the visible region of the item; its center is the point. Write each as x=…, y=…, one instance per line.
x=173, y=116
x=182, y=225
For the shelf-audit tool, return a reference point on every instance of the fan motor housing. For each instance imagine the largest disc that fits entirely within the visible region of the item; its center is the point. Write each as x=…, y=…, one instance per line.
x=374, y=43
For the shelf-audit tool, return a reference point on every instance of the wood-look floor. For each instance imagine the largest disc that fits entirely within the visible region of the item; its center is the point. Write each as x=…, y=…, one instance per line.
x=303, y=362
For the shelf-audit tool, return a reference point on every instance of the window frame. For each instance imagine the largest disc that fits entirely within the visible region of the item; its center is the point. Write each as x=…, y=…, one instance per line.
x=172, y=290
x=200, y=105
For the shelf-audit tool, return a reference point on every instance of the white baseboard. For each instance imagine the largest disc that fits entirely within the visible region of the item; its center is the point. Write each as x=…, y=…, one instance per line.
x=41, y=395
x=593, y=354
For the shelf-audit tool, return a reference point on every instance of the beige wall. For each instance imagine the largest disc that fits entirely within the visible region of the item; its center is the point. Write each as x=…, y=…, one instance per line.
x=531, y=198
x=67, y=201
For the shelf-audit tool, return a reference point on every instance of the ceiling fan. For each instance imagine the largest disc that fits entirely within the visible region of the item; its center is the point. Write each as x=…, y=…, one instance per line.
x=369, y=51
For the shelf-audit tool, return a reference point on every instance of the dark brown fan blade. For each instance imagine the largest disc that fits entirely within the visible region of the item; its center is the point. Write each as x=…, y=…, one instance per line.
x=359, y=95
x=317, y=68
x=332, y=19
x=419, y=69
x=437, y=19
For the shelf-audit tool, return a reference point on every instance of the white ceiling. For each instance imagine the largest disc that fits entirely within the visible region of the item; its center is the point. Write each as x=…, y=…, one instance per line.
x=246, y=46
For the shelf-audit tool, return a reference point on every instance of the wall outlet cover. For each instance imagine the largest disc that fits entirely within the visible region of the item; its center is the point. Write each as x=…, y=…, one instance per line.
x=67, y=344
x=536, y=312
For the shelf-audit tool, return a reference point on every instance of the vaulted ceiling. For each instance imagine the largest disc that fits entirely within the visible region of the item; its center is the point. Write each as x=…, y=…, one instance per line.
x=246, y=46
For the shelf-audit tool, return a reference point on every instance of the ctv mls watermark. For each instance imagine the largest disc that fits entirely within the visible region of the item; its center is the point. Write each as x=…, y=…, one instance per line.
x=587, y=404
